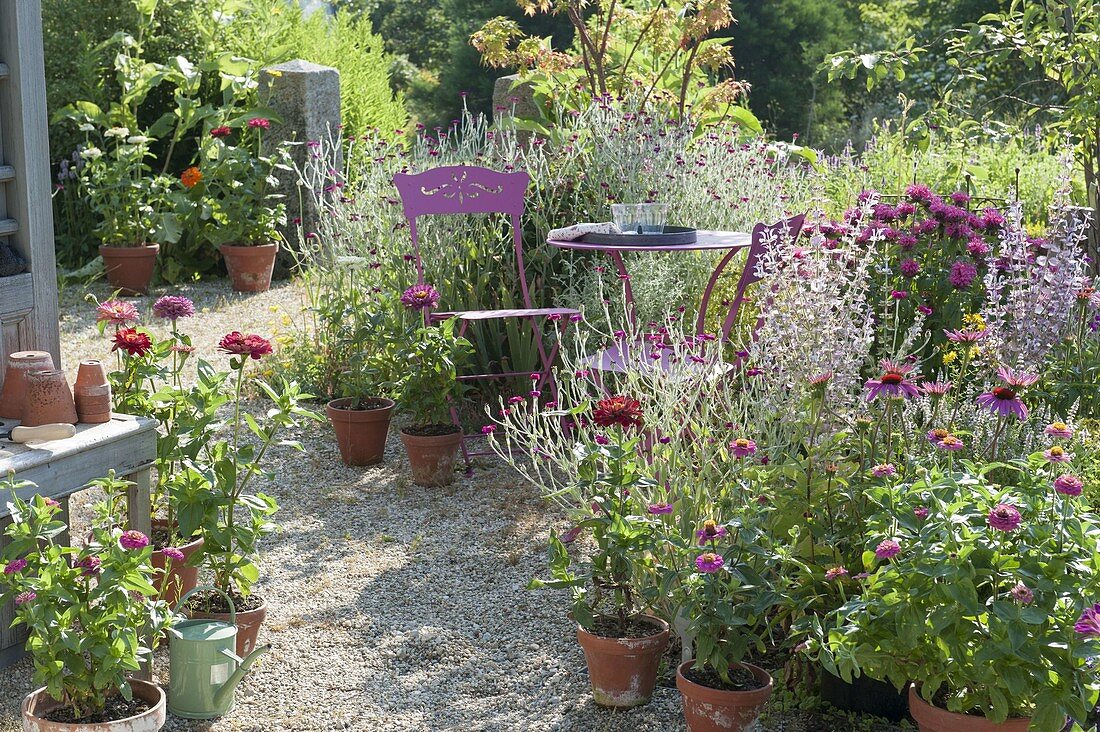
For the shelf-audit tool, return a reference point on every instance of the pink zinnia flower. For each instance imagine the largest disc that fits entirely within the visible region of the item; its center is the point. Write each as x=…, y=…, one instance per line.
x=710, y=531
x=219, y=132
x=937, y=434
x=1059, y=429
x=173, y=553
x=742, y=448
x=237, y=344
x=660, y=508
x=90, y=565
x=419, y=297
x=1022, y=594
x=921, y=512
x=951, y=443
x=116, y=312
x=1004, y=517
x=24, y=597
x=133, y=540
x=259, y=122
x=894, y=382
x=887, y=549
x=1068, y=485
x=1056, y=454
x=835, y=573
x=885, y=470
x=709, y=562
x=17, y=565
x=173, y=307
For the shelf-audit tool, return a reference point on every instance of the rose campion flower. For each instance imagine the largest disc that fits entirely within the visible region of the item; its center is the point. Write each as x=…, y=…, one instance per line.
x=132, y=341
x=887, y=549
x=133, y=540
x=709, y=562
x=116, y=312
x=1022, y=594
x=1004, y=517
x=488, y=429
x=660, y=508
x=17, y=565
x=1069, y=485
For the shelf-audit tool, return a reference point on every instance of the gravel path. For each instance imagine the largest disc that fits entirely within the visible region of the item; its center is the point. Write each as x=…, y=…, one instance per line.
x=394, y=607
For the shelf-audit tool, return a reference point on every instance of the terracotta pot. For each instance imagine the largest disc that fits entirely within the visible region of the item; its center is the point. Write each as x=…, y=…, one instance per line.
x=623, y=671
x=130, y=269
x=360, y=433
x=715, y=710
x=14, y=394
x=432, y=458
x=250, y=267
x=933, y=719
x=92, y=393
x=40, y=703
x=181, y=578
x=248, y=625
x=49, y=399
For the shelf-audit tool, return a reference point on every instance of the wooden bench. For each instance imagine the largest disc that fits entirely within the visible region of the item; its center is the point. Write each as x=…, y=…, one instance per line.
x=127, y=445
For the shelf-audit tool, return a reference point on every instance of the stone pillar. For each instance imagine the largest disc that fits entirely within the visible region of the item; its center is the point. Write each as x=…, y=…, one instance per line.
x=514, y=100
x=306, y=97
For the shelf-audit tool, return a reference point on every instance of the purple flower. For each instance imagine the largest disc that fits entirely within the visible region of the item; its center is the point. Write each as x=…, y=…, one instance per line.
x=660, y=508
x=918, y=193
x=1089, y=623
x=885, y=470
x=910, y=268
x=419, y=297
x=1004, y=517
x=116, y=312
x=601, y=439
x=709, y=562
x=924, y=310
x=742, y=448
x=488, y=429
x=962, y=275
x=978, y=248
x=1068, y=485
x=1004, y=400
x=937, y=434
x=887, y=549
x=950, y=443
x=964, y=336
x=173, y=307
x=936, y=388
x=24, y=597
x=1022, y=594
x=710, y=531
x=90, y=565
x=17, y=565
x=894, y=382
x=1056, y=454
x=1059, y=429
x=133, y=540
x=835, y=573
x=259, y=122
x=570, y=536
x=173, y=553
x=960, y=198
x=921, y=512
x=899, y=294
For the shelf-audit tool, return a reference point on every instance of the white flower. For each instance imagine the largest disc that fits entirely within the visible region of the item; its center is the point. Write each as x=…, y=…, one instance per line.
x=117, y=132
x=87, y=127
x=91, y=153
x=351, y=262
x=138, y=139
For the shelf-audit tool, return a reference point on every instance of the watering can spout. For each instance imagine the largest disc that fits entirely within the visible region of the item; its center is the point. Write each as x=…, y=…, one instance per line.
x=242, y=669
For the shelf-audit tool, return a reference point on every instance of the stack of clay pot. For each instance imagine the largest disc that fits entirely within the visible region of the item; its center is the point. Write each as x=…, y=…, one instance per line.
x=36, y=393
x=93, y=393
x=14, y=395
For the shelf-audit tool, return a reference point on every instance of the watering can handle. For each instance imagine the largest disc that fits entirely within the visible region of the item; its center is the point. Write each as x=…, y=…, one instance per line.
x=204, y=588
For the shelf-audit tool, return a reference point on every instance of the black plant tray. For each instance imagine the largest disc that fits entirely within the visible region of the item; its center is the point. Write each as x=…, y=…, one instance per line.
x=671, y=237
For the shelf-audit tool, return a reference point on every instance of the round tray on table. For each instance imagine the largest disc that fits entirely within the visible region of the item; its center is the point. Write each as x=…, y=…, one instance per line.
x=670, y=237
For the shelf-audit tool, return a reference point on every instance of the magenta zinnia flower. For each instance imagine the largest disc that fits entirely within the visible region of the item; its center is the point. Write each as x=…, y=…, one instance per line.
x=173, y=307
x=618, y=410
x=1004, y=517
x=1068, y=485
x=1057, y=455
x=885, y=470
x=419, y=297
x=133, y=540
x=24, y=597
x=237, y=344
x=742, y=448
x=835, y=573
x=1022, y=594
x=259, y=122
x=1059, y=429
x=951, y=443
x=887, y=549
x=89, y=565
x=921, y=512
x=709, y=562
x=710, y=531
x=660, y=508
x=173, y=553
x=116, y=312
x=894, y=382
x=17, y=565
x=1089, y=622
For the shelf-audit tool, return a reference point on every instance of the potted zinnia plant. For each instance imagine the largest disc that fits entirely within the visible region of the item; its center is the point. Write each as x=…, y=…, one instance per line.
x=233, y=189
x=89, y=610
x=622, y=645
x=983, y=599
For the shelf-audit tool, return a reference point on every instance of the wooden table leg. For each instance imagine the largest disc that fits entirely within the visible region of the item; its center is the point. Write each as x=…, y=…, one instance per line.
x=139, y=502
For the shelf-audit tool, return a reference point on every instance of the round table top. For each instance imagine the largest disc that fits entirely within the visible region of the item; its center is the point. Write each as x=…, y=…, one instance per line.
x=704, y=240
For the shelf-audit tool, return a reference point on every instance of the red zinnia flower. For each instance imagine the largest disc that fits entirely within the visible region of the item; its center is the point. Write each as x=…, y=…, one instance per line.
x=133, y=341
x=237, y=344
x=620, y=410
x=222, y=131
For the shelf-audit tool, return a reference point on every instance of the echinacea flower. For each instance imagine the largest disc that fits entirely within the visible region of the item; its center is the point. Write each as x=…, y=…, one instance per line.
x=1022, y=594
x=887, y=549
x=709, y=562
x=894, y=382
x=133, y=540
x=173, y=553
x=1089, y=623
x=238, y=344
x=1004, y=517
x=191, y=177
x=660, y=508
x=742, y=448
x=1004, y=401
x=1056, y=454
x=24, y=597
x=419, y=297
x=951, y=443
x=116, y=312
x=835, y=573
x=936, y=388
x=884, y=470
x=89, y=565
x=173, y=307
x=820, y=381
x=1068, y=485
x=16, y=565
x=618, y=410
x=1059, y=429
x=964, y=336
x=132, y=341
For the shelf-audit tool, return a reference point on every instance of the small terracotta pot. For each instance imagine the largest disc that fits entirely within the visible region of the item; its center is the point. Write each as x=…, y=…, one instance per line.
x=14, y=394
x=130, y=269
x=931, y=718
x=181, y=578
x=715, y=710
x=623, y=671
x=40, y=703
x=432, y=458
x=248, y=625
x=49, y=399
x=360, y=433
x=92, y=393
x=250, y=268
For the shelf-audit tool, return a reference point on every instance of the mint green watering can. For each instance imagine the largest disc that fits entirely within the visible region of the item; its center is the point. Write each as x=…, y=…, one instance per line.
x=204, y=669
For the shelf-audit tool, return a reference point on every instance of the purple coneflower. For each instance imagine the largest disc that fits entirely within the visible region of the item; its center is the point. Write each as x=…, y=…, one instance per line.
x=1059, y=429
x=419, y=297
x=964, y=336
x=742, y=448
x=1004, y=400
x=887, y=549
x=1022, y=594
x=173, y=307
x=894, y=382
x=709, y=562
x=1068, y=485
x=1004, y=517
x=936, y=388
x=835, y=573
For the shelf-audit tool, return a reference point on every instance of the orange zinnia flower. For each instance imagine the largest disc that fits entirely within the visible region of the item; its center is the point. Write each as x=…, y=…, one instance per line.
x=191, y=177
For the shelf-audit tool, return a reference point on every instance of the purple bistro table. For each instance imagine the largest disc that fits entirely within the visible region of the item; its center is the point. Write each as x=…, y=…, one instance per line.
x=729, y=241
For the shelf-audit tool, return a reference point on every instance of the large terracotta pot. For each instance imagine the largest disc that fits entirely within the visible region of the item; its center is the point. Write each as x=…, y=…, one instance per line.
x=432, y=458
x=181, y=578
x=248, y=625
x=14, y=394
x=250, y=267
x=715, y=710
x=623, y=671
x=864, y=695
x=360, y=433
x=930, y=718
x=130, y=269
x=49, y=399
x=92, y=393
x=40, y=703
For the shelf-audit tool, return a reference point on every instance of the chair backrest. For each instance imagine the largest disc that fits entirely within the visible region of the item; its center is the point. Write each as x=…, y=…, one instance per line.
x=763, y=236
x=465, y=189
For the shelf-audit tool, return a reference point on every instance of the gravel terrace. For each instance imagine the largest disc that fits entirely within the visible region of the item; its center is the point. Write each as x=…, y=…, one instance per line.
x=394, y=607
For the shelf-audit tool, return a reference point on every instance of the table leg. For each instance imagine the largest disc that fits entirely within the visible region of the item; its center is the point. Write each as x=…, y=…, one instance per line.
x=139, y=501
x=628, y=292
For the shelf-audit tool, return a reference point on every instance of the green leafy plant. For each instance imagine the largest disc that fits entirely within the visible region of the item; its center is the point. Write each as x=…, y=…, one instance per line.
x=432, y=355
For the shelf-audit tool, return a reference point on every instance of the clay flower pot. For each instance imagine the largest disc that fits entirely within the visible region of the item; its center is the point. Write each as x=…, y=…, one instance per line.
x=38, y=703
x=92, y=393
x=14, y=394
x=130, y=269
x=250, y=268
x=248, y=625
x=432, y=457
x=181, y=578
x=49, y=399
x=717, y=710
x=361, y=433
x=623, y=671
x=930, y=718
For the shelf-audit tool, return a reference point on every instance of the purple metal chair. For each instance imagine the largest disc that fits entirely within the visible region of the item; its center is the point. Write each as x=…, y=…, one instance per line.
x=465, y=190
x=642, y=353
